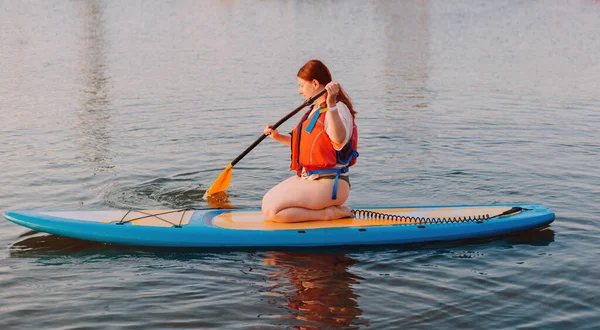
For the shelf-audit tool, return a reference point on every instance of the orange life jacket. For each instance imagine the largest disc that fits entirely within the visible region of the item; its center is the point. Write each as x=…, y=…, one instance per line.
x=313, y=150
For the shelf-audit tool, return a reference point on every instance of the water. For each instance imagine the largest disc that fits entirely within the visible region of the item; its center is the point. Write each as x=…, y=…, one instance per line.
x=142, y=104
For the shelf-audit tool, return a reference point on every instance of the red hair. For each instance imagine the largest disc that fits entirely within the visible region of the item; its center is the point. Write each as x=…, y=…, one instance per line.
x=316, y=70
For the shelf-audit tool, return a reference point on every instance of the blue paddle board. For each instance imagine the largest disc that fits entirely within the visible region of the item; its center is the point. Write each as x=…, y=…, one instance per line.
x=248, y=228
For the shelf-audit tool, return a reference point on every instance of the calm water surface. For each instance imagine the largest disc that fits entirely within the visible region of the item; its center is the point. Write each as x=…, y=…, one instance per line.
x=141, y=104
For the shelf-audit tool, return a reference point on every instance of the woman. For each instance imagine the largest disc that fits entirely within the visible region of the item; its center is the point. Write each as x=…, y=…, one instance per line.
x=324, y=145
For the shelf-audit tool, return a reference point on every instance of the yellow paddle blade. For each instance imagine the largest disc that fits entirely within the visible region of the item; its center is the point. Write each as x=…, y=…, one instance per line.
x=221, y=183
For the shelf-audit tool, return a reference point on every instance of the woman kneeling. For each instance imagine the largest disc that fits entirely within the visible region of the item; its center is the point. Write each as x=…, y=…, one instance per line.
x=324, y=145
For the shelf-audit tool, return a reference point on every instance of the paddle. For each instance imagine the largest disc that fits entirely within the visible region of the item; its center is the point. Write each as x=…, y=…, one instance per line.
x=224, y=179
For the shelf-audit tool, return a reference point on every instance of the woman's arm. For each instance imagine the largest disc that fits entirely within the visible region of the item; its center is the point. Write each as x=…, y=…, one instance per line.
x=336, y=128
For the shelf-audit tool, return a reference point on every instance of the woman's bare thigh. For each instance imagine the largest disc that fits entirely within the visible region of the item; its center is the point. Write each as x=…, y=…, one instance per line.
x=309, y=194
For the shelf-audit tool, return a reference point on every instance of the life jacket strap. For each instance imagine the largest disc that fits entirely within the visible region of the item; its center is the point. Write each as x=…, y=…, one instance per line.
x=313, y=121
x=346, y=162
x=337, y=172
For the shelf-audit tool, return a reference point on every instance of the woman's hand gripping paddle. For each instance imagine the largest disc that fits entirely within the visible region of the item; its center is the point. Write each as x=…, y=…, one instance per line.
x=224, y=179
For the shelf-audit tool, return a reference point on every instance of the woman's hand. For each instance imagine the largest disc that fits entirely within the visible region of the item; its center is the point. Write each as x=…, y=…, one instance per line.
x=271, y=132
x=283, y=139
x=333, y=88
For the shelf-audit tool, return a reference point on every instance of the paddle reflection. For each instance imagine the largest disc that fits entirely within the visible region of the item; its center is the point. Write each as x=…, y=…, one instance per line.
x=317, y=289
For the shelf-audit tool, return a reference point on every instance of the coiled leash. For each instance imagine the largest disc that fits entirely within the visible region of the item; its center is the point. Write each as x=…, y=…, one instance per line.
x=368, y=214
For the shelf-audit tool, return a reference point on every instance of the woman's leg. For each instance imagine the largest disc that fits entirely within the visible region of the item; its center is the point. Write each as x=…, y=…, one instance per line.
x=297, y=199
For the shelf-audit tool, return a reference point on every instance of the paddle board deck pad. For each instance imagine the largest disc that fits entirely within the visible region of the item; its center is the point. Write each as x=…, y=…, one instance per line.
x=248, y=228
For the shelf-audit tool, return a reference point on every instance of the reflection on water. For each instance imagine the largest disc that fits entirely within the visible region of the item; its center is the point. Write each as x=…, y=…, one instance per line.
x=94, y=114
x=404, y=80
x=42, y=246
x=302, y=289
x=317, y=289
x=535, y=237
x=35, y=244
x=406, y=28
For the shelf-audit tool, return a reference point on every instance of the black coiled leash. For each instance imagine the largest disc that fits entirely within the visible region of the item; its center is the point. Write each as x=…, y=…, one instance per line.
x=368, y=214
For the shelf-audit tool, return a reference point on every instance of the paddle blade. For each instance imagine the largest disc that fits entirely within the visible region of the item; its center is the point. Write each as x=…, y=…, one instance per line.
x=219, y=200
x=221, y=183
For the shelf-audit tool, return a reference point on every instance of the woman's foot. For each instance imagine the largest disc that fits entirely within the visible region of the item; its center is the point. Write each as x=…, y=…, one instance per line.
x=340, y=212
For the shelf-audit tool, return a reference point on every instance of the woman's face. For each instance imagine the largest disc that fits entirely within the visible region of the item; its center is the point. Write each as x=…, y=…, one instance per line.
x=308, y=88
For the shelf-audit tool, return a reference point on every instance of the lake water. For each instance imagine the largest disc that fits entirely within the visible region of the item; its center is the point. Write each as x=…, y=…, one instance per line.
x=141, y=104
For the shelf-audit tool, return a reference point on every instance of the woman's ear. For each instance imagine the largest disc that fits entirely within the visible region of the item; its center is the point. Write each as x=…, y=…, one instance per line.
x=315, y=83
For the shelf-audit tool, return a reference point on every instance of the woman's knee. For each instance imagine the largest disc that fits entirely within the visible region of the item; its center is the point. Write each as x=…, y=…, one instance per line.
x=268, y=206
x=268, y=212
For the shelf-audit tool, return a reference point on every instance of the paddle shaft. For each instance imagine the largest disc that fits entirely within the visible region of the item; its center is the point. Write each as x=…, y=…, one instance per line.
x=277, y=124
